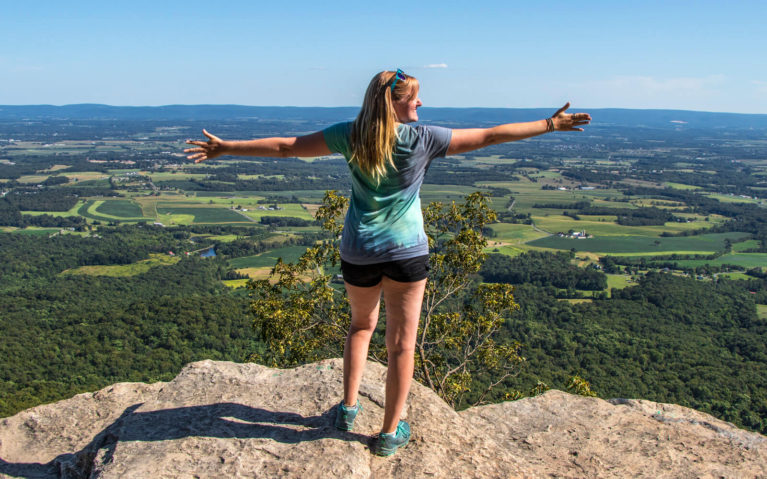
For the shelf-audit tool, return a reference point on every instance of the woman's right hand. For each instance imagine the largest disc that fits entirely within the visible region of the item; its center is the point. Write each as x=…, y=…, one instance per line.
x=207, y=149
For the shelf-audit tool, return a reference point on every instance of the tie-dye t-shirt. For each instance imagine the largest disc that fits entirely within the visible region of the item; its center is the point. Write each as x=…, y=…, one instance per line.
x=384, y=221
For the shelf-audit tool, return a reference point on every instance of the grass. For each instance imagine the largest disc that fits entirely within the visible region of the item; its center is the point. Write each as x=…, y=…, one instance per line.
x=31, y=230
x=617, y=281
x=127, y=269
x=514, y=233
x=289, y=254
x=750, y=244
x=508, y=250
x=734, y=275
x=235, y=283
x=32, y=179
x=681, y=186
x=255, y=273
x=731, y=199
x=59, y=214
x=761, y=311
x=446, y=193
x=55, y=168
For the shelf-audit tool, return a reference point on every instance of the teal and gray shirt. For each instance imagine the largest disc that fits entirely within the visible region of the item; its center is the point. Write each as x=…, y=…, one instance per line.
x=384, y=221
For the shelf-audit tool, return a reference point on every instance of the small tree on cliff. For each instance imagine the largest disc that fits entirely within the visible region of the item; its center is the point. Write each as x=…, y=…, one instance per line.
x=302, y=317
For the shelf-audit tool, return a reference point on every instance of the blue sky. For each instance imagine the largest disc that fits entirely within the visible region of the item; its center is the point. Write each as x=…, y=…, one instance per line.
x=695, y=55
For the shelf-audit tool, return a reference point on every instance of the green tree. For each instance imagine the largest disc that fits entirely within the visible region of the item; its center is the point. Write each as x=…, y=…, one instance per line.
x=302, y=317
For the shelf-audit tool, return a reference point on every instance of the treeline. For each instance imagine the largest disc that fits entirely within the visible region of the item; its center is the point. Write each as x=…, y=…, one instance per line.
x=46, y=199
x=249, y=247
x=667, y=339
x=287, y=183
x=20, y=199
x=612, y=264
x=69, y=334
x=283, y=221
x=643, y=216
x=747, y=217
x=541, y=269
x=32, y=256
x=578, y=205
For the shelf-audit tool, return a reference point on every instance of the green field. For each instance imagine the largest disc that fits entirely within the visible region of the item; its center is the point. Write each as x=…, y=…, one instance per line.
x=290, y=209
x=72, y=212
x=680, y=186
x=744, y=245
x=119, y=209
x=617, y=281
x=514, y=233
x=202, y=215
x=746, y=260
x=32, y=230
x=289, y=254
x=703, y=244
x=558, y=223
x=125, y=269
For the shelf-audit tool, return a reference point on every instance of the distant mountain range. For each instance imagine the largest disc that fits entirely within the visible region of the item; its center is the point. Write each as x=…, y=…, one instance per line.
x=666, y=119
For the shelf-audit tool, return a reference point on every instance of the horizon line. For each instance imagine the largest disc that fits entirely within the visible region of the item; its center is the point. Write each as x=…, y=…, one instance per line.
x=357, y=107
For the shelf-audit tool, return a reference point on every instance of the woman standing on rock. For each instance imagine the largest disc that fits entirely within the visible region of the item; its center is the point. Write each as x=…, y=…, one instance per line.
x=384, y=248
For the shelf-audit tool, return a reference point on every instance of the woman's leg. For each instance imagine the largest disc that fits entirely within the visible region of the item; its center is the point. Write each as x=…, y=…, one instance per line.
x=403, y=310
x=364, y=303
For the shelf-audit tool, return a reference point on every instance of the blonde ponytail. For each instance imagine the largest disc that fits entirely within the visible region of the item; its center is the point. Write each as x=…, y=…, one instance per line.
x=374, y=131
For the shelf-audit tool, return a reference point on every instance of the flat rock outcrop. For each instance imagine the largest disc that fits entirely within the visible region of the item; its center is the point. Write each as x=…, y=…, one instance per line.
x=220, y=419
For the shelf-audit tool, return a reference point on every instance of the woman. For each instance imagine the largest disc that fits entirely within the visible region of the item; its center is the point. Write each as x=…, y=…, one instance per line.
x=384, y=247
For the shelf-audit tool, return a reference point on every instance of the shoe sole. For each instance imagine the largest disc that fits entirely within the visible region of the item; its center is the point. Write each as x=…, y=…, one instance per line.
x=390, y=452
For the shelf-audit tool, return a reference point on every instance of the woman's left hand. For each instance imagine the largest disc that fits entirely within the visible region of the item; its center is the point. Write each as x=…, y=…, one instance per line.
x=212, y=148
x=569, y=121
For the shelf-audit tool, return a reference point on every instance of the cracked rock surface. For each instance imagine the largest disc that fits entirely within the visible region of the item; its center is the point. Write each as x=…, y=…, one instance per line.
x=221, y=419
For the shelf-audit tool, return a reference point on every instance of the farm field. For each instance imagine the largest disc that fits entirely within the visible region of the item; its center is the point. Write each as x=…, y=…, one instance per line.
x=556, y=224
x=732, y=198
x=289, y=254
x=32, y=230
x=125, y=270
x=507, y=233
x=746, y=260
x=119, y=209
x=173, y=175
x=198, y=214
x=702, y=244
x=618, y=281
x=745, y=245
x=681, y=186
x=61, y=214
x=289, y=209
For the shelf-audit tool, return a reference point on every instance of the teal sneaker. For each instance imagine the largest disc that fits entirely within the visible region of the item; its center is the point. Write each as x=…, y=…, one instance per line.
x=345, y=416
x=388, y=443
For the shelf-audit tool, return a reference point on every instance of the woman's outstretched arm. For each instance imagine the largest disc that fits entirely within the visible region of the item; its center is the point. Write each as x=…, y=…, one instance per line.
x=276, y=147
x=471, y=139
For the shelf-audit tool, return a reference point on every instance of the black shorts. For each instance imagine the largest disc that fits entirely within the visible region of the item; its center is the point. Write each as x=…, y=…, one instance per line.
x=405, y=271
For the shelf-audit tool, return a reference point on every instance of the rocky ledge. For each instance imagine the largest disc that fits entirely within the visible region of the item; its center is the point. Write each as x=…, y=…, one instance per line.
x=219, y=419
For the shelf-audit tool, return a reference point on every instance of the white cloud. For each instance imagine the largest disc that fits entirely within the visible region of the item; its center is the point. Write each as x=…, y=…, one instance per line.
x=761, y=86
x=436, y=65
x=655, y=85
x=687, y=93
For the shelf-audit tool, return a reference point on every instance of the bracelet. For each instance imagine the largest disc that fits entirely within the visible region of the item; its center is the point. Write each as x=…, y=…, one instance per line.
x=549, y=125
